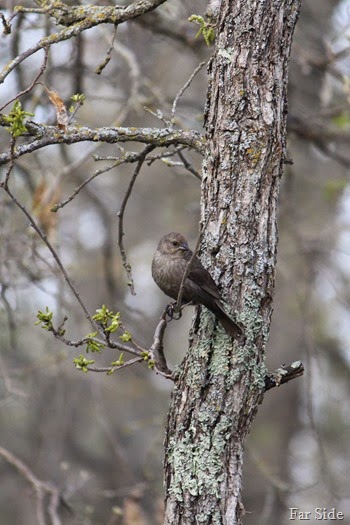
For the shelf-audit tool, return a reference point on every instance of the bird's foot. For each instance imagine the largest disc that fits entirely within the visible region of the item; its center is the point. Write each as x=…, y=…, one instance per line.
x=173, y=312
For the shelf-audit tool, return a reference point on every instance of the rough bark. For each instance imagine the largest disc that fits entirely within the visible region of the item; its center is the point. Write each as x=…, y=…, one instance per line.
x=221, y=382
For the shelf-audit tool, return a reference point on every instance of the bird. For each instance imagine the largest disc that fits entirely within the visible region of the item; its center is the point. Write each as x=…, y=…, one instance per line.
x=168, y=267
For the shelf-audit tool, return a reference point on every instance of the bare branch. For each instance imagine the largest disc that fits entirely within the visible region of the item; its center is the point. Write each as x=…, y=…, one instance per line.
x=48, y=244
x=35, y=81
x=48, y=135
x=78, y=19
x=183, y=89
x=6, y=24
x=283, y=375
x=188, y=165
x=82, y=185
x=41, y=488
x=101, y=66
x=126, y=158
x=157, y=350
x=12, y=161
x=121, y=212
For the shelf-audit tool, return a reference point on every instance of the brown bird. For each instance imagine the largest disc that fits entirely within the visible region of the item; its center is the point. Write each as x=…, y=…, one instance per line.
x=168, y=267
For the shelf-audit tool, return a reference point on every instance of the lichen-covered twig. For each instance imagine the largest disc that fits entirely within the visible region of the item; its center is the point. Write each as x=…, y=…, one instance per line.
x=47, y=135
x=283, y=374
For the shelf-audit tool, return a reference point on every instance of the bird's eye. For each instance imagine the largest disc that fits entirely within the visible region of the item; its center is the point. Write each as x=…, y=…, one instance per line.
x=175, y=243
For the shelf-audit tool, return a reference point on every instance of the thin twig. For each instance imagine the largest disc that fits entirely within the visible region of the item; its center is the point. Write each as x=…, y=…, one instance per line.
x=121, y=212
x=182, y=90
x=163, y=155
x=125, y=348
x=133, y=156
x=101, y=67
x=111, y=369
x=35, y=81
x=188, y=166
x=159, y=115
x=6, y=24
x=54, y=254
x=82, y=185
x=41, y=488
x=12, y=162
x=155, y=352
x=77, y=23
x=127, y=158
x=283, y=375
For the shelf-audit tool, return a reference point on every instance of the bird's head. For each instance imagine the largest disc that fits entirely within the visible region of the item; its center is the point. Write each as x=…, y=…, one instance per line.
x=173, y=244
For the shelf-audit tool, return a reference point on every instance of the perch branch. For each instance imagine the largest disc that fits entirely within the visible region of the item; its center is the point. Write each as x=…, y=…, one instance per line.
x=157, y=349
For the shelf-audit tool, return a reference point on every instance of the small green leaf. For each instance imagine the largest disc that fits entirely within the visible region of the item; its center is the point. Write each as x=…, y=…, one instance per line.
x=109, y=320
x=79, y=98
x=206, y=29
x=82, y=363
x=91, y=344
x=114, y=323
x=120, y=361
x=94, y=346
x=45, y=319
x=93, y=334
x=126, y=336
x=102, y=315
x=15, y=120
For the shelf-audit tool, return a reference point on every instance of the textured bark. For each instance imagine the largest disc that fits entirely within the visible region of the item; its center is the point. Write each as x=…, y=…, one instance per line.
x=220, y=382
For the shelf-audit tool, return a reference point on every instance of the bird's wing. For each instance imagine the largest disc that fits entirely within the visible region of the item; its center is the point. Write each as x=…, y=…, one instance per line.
x=201, y=277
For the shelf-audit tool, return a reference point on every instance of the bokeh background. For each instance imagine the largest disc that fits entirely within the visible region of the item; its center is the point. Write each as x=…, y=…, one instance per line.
x=99, y=438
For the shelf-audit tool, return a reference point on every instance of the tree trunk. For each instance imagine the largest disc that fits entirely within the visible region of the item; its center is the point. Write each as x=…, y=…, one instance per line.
x=221, y=381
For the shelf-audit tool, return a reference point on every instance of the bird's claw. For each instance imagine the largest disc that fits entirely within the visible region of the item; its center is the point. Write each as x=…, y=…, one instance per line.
x=172, y=311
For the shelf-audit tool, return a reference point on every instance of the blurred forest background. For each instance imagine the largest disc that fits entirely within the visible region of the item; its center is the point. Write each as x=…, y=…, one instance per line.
x=98, y=438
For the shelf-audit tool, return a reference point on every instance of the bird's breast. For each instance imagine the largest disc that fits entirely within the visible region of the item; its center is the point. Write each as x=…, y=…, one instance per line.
x=167, y=273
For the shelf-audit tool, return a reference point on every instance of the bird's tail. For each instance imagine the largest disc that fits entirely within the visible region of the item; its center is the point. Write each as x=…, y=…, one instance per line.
x=229, y=325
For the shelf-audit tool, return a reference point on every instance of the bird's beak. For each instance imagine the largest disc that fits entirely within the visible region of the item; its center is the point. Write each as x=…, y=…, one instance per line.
x=183, y=247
